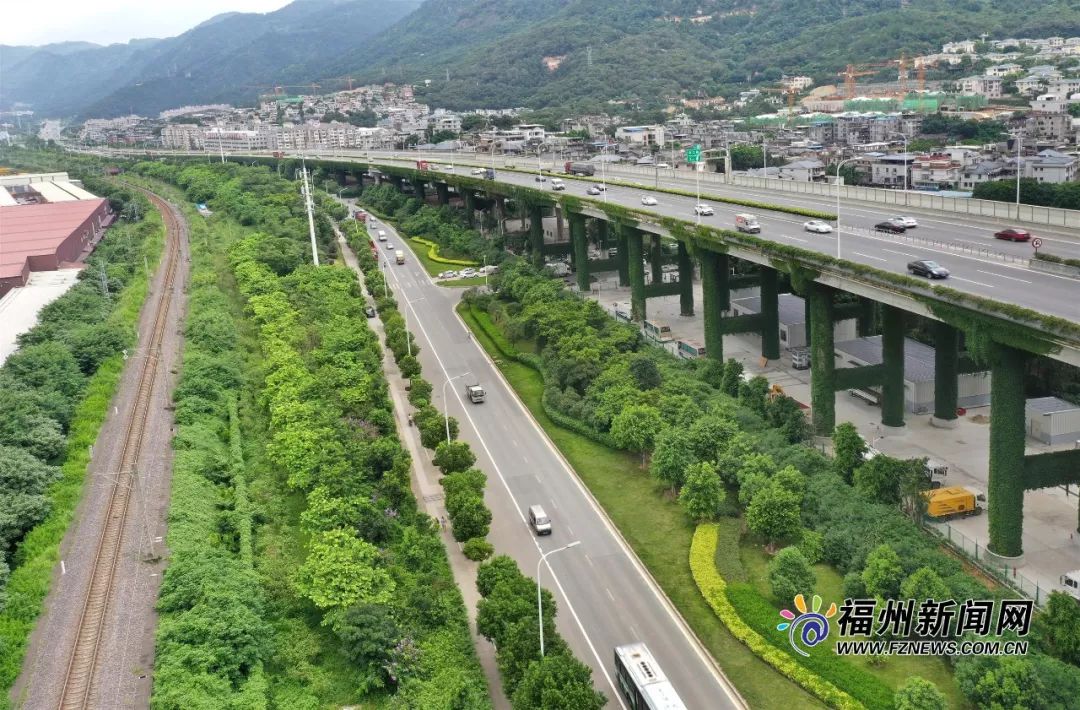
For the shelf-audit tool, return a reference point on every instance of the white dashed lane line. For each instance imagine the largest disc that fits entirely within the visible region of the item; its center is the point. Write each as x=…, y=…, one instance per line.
x=899, y=253
x=875, y=258
x=1001, y=276
x=969, y=281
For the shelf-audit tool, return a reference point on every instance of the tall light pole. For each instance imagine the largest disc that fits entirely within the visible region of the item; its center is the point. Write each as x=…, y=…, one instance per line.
x=539, y=605
x=603, y=169
x=408, y=339
x=446, y=410
x=1019, y=138
x=906, y=170
x=838, y=166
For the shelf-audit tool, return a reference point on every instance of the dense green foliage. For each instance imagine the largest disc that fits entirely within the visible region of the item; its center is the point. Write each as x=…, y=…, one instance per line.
x=55, y=392
x=506, y=615
x=1065, y=195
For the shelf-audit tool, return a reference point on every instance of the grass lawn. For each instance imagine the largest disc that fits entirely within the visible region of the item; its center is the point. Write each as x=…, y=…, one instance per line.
x=893, y=671
x=462, y=283
x=660, y=534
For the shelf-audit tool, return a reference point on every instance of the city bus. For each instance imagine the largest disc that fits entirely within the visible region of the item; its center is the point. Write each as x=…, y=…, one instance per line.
x=657, y=331
x=690, y=349
x=642, y=682
x=621, y=315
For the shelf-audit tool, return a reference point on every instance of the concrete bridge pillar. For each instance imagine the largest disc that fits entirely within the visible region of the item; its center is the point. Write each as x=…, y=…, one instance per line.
x=470, y=208
x=418, y=188
x=892, y=346
x=822, y=359
x=621, y=260
x=686, y=281
x=636, y=271
x=580, y=251
x=1005, y=492
x=715, y=299
x=770, y=314
x=866, y=321
x=946, y=370
x=656, y=259
x=536, y=234
x=442, y=191
x=560, y=235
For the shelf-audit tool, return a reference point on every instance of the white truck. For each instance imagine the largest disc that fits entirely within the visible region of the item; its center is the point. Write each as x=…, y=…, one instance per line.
x=1070, y=583
x=747, y=223
x=475, y=393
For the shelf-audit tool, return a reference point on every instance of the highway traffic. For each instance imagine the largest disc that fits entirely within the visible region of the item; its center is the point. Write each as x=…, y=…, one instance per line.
x=605, y=597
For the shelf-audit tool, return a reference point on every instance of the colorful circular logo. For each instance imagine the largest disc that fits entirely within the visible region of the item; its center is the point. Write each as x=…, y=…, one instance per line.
x=809, y=627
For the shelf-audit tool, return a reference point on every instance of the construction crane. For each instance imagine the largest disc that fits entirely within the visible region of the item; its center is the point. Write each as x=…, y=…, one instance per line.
x=855, y=70
x=788, y=91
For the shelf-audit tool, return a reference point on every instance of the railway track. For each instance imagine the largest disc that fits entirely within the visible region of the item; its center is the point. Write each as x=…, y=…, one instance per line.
x=80, y=679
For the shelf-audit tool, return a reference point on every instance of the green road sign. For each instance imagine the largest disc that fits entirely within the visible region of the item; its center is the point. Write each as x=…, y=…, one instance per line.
x=693, y=154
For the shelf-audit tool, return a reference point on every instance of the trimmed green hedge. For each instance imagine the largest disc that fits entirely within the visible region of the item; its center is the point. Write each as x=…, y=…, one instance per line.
x=713, y=588
x=1054, y=259
x=433, y=253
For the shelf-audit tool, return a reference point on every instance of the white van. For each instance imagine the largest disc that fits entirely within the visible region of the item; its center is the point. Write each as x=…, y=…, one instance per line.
x=382, y=235
x=539, y=520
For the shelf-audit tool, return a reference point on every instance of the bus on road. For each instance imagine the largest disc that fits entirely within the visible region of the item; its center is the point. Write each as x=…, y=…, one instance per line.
x=657, y=331
x=642, y=682
x=690, y=349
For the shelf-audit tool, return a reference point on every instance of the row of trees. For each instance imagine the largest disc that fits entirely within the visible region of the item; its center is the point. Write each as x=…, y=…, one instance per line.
x=54, y=393
x=1065, y=195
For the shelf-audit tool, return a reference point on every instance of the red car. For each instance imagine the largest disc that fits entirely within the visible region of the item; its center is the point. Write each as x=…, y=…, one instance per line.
x=1013, y=234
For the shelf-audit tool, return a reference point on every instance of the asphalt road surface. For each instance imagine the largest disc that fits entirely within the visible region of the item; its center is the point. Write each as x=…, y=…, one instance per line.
x=604, y=596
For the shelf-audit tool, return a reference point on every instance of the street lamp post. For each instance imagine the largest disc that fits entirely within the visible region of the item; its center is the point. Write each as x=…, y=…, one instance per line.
x=539, y=605
x=1019, y=138
x=408, y=339
x=906, y=163
x=838, y=166
x=446, y=410
x=603, y=169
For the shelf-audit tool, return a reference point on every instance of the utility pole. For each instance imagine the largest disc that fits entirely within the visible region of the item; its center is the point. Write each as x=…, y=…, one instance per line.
x=310, y=214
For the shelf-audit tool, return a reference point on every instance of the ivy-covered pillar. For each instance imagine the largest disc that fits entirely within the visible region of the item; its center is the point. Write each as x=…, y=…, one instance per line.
x=866, y=323
x=656, y=259
x=603, y=235
x=442, y=191
x=621, y=260
x=470, y=208
x=500, y=211
x=714, y=299
x=418, y=187
x=536, y=234
x=398, y=182
x=636, y=270
x=822, y=359
x=560, y=236
x=686, y=281
x=892, y=351
x=580, y=249
x=946, y=373
x=1005, y=489
x=770, y=313
x=807, y=320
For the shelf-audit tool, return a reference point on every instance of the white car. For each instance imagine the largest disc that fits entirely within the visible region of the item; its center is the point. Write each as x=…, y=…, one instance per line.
x=703, y=210
x=662, y=165
x=468, y=273
x=816, y=225
x=600, y=187
x=389, y=246
x=477, y=171
x=648, y=200
x=908, y=222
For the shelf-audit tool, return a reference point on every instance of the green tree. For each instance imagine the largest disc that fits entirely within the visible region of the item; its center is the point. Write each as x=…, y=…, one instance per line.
x=645, y=372
x=453, y=456
x=636, y=427
x=703, y=493
x=1057, y=627
x=498, y=569
x=1011, y=683
x=924, y=583
x=671, y=457
x=733, y=371
x=790, y=574
x=341, y=571
x=368, y=634
x=470, y=518
x=711, y=436
x=557, y=682
x=774, y=514
x=879, y=478
x=919, y=694
x=754, y=394
x=848, y=450
x=883, y=573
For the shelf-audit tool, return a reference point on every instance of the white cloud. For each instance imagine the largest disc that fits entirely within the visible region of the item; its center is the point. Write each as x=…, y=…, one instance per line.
x=109, y=21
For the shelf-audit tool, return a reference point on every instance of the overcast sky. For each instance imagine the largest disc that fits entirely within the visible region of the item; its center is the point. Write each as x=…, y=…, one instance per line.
x=109, y=21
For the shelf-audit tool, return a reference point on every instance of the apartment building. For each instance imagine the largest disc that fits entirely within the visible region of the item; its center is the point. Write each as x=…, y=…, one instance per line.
x=988, y=86
x=1051, y=166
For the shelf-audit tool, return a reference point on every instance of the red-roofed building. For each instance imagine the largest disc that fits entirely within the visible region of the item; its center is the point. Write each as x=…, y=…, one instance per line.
x=41, y=237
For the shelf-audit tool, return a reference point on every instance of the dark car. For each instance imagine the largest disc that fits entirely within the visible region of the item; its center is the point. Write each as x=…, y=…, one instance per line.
x=369, y=311
x=929, y=269
x=1013, y=234
x=540, y=178
x=889, y=226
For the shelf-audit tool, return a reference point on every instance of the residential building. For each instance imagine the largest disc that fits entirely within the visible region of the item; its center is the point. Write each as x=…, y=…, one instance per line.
x=803, y=171
x=890, y=170
x=1053, y=127
x=1050, y=166
x=182, y=136
x=532, y=133
x=445, y=122
x=230, y=140
x=796, y=83
x=937, y=171
x=1030, y=85
x=986, y=171
x=1002, y=70
x=966, y=46
x=640, y=135
x=988, y=86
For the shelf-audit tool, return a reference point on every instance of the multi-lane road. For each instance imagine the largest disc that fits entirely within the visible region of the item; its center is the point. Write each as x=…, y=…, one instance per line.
x=604, y=596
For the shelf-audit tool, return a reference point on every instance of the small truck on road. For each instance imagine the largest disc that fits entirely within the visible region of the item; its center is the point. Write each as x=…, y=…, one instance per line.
x=475, y=393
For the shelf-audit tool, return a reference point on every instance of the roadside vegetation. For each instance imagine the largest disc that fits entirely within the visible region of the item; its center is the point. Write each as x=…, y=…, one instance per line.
x=54, y=394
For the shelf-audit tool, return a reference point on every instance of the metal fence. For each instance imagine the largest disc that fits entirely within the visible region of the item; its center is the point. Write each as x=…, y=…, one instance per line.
x=977, y=554
x=960, y=247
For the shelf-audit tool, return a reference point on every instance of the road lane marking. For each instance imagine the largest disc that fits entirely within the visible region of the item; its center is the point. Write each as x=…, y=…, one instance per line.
x=517, y=506
x=798, y=239
x=977, y=283
x=900, y=253
x=875, y=258
x=610, y=595
x=1002, y=276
